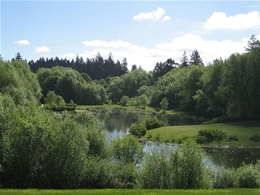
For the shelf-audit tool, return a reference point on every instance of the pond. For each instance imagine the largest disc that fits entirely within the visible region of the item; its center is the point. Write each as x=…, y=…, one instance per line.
x=118, y=122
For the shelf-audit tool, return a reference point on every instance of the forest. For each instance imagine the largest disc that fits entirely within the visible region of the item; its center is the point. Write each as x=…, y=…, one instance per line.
x=227, y=87
x=40, y=148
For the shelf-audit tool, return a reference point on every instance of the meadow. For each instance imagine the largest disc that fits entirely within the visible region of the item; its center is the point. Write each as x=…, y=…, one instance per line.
x=244, y=130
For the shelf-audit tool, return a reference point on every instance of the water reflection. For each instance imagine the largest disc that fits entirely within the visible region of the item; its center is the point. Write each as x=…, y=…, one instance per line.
x=118, y=122
x=233, y=157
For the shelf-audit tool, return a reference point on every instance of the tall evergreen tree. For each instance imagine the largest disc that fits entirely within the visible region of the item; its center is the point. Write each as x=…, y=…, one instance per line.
x=195, y=58
x=184, y=60
x=18, y=57
x=252, y=43
x=162, y=68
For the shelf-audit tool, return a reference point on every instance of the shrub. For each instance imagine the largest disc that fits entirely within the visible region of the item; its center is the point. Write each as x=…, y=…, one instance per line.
x=201, y=139
x=248, y=176
x=127, y=150
x=212, y=135
x=181, y=167
x=232, y=138
x=158, y=137
x=153, y=123
x=225, y=178
x=149, y=136
x=138, y=130
x=255, y=137
x=124, y=99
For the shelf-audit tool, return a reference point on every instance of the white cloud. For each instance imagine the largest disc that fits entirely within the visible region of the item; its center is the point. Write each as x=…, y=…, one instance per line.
x=111, y=44
x=68, y=56
x=209, y=50
x=42, y=49
x=219, y=20
x=22, y=42
x=165, y=18
x=147, y=57
x=152, y=16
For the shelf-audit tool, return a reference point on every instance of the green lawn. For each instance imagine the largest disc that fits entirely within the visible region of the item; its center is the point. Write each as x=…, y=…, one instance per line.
x=131, y=192
x=243, y=130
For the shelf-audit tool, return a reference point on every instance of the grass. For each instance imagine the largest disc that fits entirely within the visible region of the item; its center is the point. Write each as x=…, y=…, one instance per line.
x=243, y=130
x=108, y=106
x=131, y=192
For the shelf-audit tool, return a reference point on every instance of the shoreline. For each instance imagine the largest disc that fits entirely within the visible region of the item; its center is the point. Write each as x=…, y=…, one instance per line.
x=218, y=146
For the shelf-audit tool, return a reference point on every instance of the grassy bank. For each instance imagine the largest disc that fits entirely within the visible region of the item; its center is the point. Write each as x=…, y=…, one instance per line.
x=131, y=192
x=116, y=106
x=243, y=130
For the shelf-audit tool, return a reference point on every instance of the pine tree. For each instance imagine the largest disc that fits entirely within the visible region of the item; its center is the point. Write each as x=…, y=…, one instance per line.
x=195, y=58
x=184, y=60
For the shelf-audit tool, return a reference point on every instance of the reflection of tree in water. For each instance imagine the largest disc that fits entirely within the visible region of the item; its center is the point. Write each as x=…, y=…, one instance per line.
x=120, y=119
x=233, y=157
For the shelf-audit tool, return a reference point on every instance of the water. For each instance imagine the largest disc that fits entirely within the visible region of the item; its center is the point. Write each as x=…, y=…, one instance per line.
x=118, y=122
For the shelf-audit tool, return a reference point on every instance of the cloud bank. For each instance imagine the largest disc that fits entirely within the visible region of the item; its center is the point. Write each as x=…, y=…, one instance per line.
x=219, y=20
x=147, y=57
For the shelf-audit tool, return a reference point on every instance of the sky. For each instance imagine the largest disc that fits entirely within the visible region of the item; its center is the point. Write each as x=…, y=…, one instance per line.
x=143, y=32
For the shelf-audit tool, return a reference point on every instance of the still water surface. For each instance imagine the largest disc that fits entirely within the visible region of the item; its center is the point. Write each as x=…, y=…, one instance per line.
x=118, y=122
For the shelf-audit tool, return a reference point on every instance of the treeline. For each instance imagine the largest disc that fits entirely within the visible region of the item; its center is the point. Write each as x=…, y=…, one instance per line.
x=96, y=68
x=224, y=88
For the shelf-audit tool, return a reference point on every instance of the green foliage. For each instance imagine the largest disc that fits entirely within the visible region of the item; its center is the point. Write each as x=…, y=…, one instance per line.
x=161, y=69
x=95, y=135
x=127, y=84
x=127, y=150
x=138, y=130
x=19, y=82
x=255, y=137
x=246, y=176
x=237, y=191
x=44, y=150
x=195, y=58
x=178, y=168
x=71, y=85
x=164, y=104
x=232, y=138
x=124, y=99
x=153, y=123
x=225, y=178
x=249, y=176
x=201, y=139
x=54, y=101
x=211, y=135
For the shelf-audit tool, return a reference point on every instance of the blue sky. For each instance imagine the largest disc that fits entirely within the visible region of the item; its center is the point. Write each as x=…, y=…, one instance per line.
x=145, y=32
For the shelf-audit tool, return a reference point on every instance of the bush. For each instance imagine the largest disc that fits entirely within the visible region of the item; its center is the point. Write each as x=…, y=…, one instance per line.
x=138, y=130
x=127, y=150
x=255, y=138
x=149, y=136
x=248, y=176
x=232, y=138
x=212, y=135
x=153, y=123
x=158, y=137
x=225, y=178
x=201, y=139
x=180, y=168
x=124, y=99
